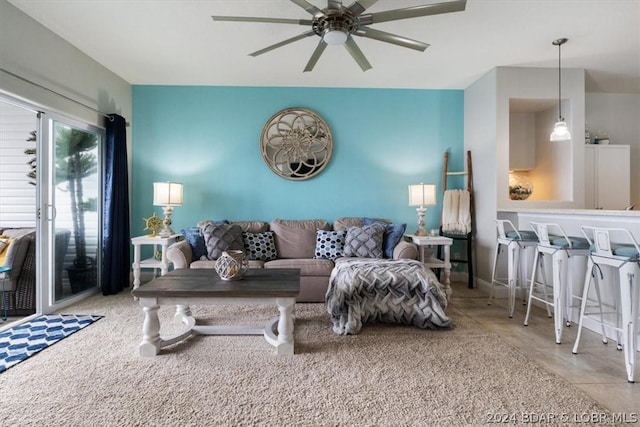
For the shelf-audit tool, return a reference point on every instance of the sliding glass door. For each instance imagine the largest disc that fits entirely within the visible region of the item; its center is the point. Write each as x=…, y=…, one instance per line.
x=70, y=219
x=50, y=209
x=18, y=220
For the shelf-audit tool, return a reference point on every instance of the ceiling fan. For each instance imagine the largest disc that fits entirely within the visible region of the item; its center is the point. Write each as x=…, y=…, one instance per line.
x=337, y=24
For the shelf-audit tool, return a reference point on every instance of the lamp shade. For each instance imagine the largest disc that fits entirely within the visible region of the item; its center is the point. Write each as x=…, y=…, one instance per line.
x=167, y=194
x=560, y=132
x=422, y=194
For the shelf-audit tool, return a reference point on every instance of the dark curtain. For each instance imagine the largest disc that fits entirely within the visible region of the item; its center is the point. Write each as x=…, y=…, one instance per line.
x=115, y=234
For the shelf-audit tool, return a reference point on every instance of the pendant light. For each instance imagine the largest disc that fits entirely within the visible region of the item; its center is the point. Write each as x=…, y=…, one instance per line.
x=560, y=131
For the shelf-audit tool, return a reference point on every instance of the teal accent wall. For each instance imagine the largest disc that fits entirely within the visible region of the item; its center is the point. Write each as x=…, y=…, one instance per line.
x=208, y=138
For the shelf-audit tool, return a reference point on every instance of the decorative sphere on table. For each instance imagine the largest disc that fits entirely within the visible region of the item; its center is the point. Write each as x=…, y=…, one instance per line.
x=520, y=187
x=232, y=265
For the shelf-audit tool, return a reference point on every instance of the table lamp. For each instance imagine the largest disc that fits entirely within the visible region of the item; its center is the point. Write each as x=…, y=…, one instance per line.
x=167, y=194
x=422, y=195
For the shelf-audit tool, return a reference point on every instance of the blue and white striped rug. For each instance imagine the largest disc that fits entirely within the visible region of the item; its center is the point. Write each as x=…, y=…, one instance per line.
x=22, y=341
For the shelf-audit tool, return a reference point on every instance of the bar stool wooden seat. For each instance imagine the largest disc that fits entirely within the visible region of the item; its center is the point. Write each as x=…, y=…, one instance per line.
x=554, y=243
x=623, y=256
x=514, y=241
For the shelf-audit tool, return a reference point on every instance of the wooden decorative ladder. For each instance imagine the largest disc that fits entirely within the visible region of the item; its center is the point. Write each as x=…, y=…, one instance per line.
x=468, y=237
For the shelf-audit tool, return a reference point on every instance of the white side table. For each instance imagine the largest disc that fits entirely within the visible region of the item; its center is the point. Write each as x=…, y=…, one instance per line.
x=426, y=247
x=162, y=264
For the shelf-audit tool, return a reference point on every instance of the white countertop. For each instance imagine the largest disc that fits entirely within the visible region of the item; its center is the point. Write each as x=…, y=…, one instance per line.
x=579, y=212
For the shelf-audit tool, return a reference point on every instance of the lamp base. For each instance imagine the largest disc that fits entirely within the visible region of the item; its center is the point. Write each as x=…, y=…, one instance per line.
x=166, y=222
x=421, y=231
x=168, y=232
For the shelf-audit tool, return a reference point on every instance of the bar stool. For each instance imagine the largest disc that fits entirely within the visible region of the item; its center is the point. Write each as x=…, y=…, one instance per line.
x=514, y=241
x=623, y=257
x=560, y=248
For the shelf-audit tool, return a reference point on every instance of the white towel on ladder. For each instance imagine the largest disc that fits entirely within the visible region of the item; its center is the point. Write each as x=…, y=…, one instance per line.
x=464, y=212
x=450, y=203
x=456, y=212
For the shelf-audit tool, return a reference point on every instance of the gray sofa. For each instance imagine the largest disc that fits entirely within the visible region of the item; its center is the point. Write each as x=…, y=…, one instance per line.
x=308, y=245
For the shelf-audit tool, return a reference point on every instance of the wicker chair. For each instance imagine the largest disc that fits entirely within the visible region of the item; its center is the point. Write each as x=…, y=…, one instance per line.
x=21, y=301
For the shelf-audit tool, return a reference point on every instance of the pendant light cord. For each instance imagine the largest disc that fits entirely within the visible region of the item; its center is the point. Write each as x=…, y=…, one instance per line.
x=560, y=82
x=559, y=43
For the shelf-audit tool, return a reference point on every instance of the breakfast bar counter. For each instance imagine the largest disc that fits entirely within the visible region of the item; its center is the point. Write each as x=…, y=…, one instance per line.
x=571, y=220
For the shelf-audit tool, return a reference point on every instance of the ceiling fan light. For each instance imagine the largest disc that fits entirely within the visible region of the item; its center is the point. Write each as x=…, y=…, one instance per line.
x=560, y=132
x=335, y=37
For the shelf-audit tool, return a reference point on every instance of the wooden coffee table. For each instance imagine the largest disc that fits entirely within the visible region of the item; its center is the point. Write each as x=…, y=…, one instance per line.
x=203, y=286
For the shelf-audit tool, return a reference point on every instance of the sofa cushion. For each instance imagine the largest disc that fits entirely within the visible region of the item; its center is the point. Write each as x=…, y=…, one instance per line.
x=209, y=263
x=260, y=246
x=220, y=238
x=392, y=235
x=308, y=267
x=343, y=224
x=365, y=241
x=252, y=226
x=204, y=222
x=297, y=238
x=330, y=244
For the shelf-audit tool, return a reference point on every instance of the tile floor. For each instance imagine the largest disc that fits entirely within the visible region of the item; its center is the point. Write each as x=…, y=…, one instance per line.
x=597, y=369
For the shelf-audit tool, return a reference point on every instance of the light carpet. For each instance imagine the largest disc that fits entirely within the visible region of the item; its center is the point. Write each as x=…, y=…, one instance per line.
x=387, y=375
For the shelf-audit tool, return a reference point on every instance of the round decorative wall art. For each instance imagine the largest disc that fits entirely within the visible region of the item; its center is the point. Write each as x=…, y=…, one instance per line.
x=296, y=143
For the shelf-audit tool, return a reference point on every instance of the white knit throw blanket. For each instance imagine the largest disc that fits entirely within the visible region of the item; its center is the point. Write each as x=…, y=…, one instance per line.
x=456, y=212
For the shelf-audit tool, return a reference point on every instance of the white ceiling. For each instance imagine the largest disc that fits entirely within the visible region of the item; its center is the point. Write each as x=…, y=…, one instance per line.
x=173, y=42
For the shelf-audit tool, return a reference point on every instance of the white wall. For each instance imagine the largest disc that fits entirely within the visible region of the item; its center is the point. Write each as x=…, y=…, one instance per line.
x=553, y=175
x=618, y=114
x=487, y=136
x=563, y=160
x=480, y=137
x=31, y=51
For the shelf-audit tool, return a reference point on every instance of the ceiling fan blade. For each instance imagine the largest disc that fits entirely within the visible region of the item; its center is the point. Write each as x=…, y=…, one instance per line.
x=359, y=6
x=391, y=38
x=267, y=20
x=307, y=6
x=413, y=12
x=316, y=55
x=357, y=54
x=283, y=43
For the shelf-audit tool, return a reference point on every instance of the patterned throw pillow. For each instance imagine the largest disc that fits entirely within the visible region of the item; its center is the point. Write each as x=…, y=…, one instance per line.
x=219, y=238
x=330, y=244
x=194, y=236
x=392, y=235
x=365, y=242
x=259, y=246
